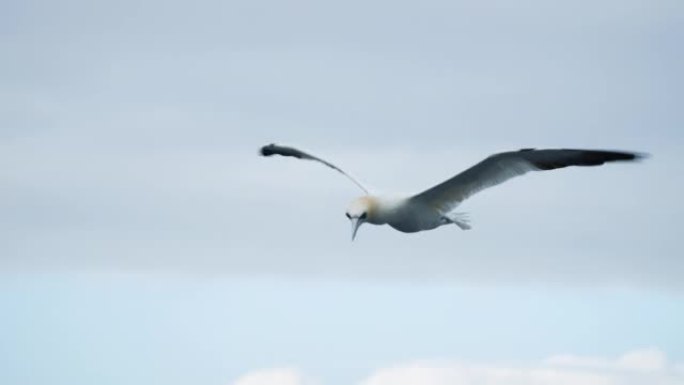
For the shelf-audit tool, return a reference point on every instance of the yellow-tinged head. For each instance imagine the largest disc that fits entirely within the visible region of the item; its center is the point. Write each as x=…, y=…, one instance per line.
x=360, y=211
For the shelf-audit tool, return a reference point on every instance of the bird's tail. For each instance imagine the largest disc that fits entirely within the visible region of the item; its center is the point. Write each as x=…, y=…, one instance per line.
x=461, y=220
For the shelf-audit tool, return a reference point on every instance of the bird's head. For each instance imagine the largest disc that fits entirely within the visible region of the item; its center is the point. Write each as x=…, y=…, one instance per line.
x=360, y=211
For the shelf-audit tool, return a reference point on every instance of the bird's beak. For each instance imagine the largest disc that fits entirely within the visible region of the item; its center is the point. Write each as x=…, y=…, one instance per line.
x=356, y=223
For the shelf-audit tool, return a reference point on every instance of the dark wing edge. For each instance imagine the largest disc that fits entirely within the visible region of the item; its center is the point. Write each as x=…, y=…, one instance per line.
x=274, y=149
x=545, y=160
x=501, y=167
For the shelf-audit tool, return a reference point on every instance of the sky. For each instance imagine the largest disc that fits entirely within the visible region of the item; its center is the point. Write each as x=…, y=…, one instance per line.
x=142, y=240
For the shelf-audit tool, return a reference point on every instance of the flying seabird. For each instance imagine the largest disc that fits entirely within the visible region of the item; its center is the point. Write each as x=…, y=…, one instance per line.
x=435, y=206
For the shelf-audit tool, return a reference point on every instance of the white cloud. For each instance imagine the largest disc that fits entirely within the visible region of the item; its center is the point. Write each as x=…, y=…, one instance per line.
x=649, y=359
x=450, y=373
x=637, y=367
x=277, y=376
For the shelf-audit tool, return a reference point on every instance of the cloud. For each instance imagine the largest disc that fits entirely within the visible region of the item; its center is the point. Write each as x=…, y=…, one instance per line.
x=131, y=143
x=638, y=367
x=195, y=211
x=650, y=359
x=277, y=376
x=476, y=374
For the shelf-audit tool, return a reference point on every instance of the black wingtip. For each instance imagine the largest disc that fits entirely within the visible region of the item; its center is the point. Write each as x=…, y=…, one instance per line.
x=267, y=150
x=546, y=160
x=639, y=156
x=624, y=156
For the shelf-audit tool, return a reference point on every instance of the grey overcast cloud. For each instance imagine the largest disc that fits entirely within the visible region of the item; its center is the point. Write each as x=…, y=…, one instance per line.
x=130, y=133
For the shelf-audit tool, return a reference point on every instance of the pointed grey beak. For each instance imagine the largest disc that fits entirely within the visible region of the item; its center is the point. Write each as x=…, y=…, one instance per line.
x=356, y=223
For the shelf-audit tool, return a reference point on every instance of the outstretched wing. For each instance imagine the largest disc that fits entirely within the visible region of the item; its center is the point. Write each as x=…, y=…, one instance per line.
x=274, y=149
x=501, y=167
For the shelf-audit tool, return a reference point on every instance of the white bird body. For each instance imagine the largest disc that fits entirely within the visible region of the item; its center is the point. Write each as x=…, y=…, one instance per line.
x=399, y=212
x=435, y=206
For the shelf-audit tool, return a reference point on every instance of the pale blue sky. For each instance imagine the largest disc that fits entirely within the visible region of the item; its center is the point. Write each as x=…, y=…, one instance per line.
x=143, y=241
x=142, y=329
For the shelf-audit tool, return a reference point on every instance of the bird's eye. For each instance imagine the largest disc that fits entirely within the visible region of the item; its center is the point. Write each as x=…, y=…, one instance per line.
x=363, y=216
x=348, y=216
